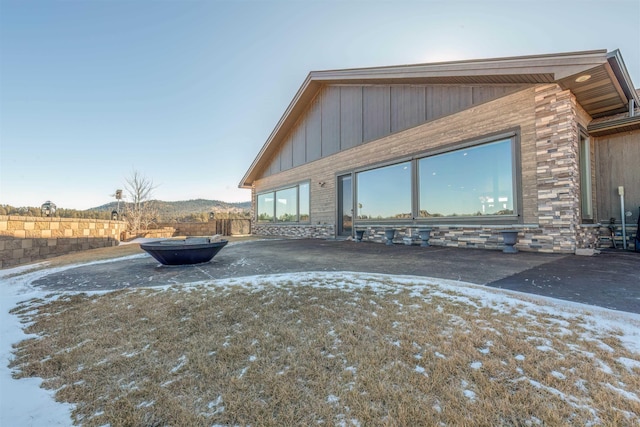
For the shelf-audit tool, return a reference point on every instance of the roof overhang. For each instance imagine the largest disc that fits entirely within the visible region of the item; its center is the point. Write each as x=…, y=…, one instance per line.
x=607, y=91
x=622, y=123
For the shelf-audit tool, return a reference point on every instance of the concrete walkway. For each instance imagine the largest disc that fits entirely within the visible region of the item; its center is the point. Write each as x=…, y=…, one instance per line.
x=610, y=280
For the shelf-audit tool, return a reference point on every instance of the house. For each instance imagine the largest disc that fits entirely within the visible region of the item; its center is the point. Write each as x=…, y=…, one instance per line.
x=539, y=144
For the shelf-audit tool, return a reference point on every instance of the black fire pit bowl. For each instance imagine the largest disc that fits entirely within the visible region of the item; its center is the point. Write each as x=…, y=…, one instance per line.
x=183, y=252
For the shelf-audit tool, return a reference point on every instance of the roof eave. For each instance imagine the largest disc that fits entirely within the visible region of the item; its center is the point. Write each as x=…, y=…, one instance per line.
x=620, y=70
x=537, y=69
x=304, y=89
x=624, y=124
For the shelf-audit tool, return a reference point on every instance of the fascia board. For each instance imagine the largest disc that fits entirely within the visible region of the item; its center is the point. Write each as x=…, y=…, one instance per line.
x=265, y=148
x=622, y=74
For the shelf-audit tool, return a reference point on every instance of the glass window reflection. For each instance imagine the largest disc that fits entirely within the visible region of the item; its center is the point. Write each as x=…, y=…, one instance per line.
x=304, y=202
x=384, y=193
x=473, y=181
x=287, y=205
x=265, y=207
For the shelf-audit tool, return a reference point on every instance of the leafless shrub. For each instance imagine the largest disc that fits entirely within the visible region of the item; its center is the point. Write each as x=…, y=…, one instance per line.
x=140, y=211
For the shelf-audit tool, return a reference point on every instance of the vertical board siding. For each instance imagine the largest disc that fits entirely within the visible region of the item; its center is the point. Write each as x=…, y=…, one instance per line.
x=343, y=117
x=299, y=145
x=481, y=94
x=463, y=100
x=286, y=155
x=314, y=131
x=275, y=165
x=444, y=100
x=376, y=112
x=408, y=107
x=350, y=117
x=617, y=165
x=330, y=120
x=436, y=104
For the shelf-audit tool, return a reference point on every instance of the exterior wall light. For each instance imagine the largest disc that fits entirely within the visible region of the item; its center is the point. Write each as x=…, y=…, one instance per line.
x=583, y=78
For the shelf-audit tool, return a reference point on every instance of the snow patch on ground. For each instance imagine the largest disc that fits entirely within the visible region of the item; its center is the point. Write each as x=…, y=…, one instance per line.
x=23, y=402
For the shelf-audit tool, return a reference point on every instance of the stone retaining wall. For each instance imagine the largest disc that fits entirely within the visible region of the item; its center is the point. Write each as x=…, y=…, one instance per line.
x=28, y=239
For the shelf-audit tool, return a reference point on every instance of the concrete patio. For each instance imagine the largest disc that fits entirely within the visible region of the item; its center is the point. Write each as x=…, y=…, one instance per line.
x=610, y=279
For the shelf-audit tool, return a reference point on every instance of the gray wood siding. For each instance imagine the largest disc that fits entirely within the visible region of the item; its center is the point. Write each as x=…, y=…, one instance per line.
x=344, y=116
x=444, y=100
x=482, y=94
x=330, y=100
x=275, y=165
x=408, y=108
x=350, y=117
x=299, y=145
x=376, y=112
x=314, y=131
x=286, y=155
x=617, y=165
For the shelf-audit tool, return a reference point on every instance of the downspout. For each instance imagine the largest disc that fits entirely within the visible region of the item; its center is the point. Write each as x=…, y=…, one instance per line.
x=631, y=107
x=622, y=216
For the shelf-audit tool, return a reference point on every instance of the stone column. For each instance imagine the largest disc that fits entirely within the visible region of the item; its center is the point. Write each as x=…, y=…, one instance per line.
x=558, y=174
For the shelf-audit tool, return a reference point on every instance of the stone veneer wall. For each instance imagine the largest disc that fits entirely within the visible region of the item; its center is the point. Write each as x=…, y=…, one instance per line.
x=28, y=239
x=558, y=173
x=588, y=236
x=301, y=231
x=227, y=227
x=468, y=236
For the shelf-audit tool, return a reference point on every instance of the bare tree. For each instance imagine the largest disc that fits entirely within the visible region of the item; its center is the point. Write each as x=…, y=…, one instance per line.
x=140, y=211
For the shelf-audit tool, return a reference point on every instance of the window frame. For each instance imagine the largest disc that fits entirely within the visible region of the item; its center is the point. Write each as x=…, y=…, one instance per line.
x=478, y=219
x=356, y=200
x=273, y=191
x=512, y=134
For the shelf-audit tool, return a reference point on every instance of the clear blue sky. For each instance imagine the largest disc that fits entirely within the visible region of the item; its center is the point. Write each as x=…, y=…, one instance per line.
x=187, y=92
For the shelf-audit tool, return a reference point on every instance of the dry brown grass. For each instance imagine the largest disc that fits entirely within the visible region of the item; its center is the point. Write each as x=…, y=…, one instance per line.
x=313, y=353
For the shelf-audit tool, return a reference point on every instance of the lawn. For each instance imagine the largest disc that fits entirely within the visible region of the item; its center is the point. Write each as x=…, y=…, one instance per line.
x=331, y=349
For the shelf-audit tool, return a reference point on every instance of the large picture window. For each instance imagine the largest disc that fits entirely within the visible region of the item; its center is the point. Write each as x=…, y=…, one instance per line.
x=473, y=181
x=289, y=204
x=384, y=193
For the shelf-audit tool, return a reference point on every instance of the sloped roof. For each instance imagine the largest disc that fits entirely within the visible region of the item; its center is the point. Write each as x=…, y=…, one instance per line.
x=607, y=90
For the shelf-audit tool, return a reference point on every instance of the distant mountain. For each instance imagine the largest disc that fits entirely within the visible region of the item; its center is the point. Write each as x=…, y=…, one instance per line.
x=168, y=211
